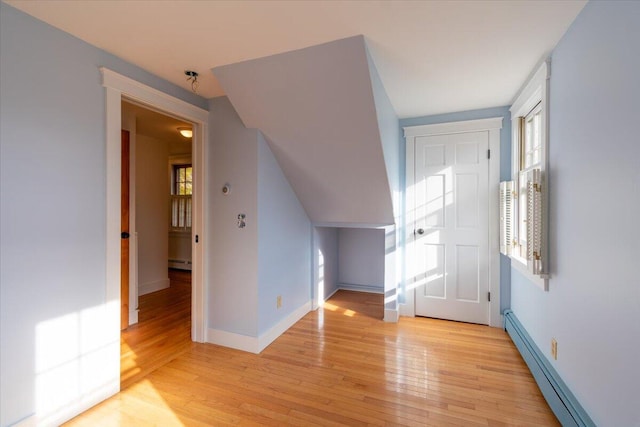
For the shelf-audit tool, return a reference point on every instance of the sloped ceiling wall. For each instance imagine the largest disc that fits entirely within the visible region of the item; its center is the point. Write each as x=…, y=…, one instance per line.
x=316, y=108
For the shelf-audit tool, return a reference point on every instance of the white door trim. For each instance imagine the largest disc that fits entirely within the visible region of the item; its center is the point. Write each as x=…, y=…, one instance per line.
x=492, y=126
x=118, y=86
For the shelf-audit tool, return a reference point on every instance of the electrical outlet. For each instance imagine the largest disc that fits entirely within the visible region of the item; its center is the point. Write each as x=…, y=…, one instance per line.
x=279, y=301
x=554, y=349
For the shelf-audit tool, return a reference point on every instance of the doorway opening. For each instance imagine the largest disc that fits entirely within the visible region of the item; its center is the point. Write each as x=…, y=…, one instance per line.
x=156, y=205
x=118, y=88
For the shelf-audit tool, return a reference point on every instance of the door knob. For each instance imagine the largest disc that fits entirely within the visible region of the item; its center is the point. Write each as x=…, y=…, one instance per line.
x=124, y=235
x=420, y=230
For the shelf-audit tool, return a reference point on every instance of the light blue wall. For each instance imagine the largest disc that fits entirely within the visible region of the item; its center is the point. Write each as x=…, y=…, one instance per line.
x=505, y=167
x=361, y=254
x=593, y=304
x=284, y=243
x=249, y=267
x=233, y=263
x=389, y=127
x=325, y=244
x=53, y=174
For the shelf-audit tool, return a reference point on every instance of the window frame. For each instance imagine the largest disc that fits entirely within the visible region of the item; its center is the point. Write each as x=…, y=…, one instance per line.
x=533, y=96
x=174, y=163
x=174, y=178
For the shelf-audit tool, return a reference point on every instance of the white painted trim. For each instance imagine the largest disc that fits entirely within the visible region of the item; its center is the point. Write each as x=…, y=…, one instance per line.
x=118, y=86
x=270, y=336
x=133, y=316
x=156, y=285
x=495, y=319
x=180, y=159
x=360, y=288
x=316, y=298
x=532, y=92
x=133, y=272
x=408, y=308
x=232, y=340
x=328, y=297
x=257, y=344
x=492, y=126
x=391, y=316
x=535, y=91
x=454, y=127
x=392, y=269
x=152, y=97
x=350, y=225
x=199, y=268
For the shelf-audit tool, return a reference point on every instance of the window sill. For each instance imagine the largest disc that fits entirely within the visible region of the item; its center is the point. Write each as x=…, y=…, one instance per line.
x=541, y=282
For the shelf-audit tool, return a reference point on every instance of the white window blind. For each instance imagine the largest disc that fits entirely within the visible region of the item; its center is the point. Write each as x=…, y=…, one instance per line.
x=534, y=222
x=506, y=217
x=180, y=212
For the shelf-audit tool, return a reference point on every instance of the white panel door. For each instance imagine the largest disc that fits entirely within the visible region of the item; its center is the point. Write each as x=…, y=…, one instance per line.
x=452, y=226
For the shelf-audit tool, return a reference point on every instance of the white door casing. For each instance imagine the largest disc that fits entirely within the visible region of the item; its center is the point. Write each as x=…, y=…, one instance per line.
x=118, y=87
x=452, y=221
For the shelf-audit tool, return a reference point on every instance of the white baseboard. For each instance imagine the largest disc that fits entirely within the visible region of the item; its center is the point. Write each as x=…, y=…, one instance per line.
x=233, y=340
x=257, y=344
x=73, y=409
x=133, y=316
x=147, y=288
x=270, y=336
x=405, y=310
x=330, y=295
x=180, y=264
x=391, y=315
x=361, y=288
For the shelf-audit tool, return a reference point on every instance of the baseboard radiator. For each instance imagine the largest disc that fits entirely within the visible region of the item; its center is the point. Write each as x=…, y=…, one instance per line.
x=180, y=264
x=562, y=402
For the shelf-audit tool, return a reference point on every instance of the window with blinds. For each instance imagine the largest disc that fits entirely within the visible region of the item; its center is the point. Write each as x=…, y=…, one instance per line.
x=525, y=205
x=180, y=204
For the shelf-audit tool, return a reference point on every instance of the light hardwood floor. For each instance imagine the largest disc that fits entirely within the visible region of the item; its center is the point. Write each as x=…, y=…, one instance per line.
x=340, y=365
x=162, y=333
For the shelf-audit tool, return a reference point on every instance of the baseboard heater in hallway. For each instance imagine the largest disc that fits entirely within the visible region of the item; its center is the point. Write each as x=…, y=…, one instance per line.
x=562, y=402
x=180, y=264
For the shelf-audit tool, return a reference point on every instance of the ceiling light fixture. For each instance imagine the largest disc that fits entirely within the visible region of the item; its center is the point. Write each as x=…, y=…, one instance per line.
x=192, y=76
x=186, y=132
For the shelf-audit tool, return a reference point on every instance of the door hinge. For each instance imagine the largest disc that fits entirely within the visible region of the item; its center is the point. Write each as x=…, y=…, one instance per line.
x=489, y=296
x=488, y=154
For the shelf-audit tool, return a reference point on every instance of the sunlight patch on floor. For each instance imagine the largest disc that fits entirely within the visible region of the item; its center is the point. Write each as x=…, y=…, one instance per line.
x=144, y=407
x=329, y=306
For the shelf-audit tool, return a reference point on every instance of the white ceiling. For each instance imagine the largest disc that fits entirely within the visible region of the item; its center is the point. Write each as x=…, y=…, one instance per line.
x=432, y=56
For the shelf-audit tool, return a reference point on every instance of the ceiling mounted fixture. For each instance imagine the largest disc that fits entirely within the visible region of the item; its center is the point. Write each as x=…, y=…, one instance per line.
x=186, y=132
x=192, y=76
